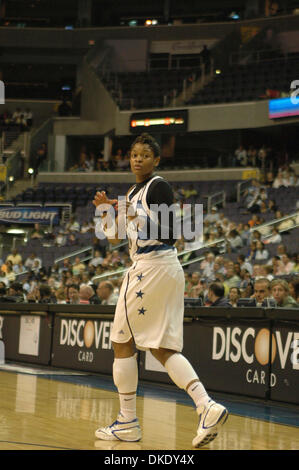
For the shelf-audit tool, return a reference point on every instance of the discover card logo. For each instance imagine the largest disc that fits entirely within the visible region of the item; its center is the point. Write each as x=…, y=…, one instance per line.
x=253, y=348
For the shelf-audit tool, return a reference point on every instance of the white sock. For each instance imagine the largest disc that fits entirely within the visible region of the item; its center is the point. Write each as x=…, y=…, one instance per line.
x=198, y=394
x=125, y=376
x=182, y=373
x=127, y=407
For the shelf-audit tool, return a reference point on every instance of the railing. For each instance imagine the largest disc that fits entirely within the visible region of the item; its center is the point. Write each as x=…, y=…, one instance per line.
x=275, y=222
x=77, y=253
x=262, y=55
x=214, y=199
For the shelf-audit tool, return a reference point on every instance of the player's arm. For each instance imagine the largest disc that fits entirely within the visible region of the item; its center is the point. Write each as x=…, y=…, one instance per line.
x=160, y=192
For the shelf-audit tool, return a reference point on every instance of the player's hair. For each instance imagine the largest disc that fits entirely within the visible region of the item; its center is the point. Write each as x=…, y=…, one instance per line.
x=150, y=141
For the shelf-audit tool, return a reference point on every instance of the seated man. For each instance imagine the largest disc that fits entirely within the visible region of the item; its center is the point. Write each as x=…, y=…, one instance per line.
x=261, y=290
x=105, y=293
x=216, y=296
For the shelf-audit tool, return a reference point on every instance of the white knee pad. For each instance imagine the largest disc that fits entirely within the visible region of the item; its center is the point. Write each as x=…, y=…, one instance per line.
x=180, y=370
x=125, y=374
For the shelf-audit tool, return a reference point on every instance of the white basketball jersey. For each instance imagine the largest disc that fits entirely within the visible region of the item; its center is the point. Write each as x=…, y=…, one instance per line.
x=141, y=245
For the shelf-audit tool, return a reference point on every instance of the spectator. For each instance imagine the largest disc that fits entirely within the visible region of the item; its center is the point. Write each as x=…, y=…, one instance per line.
x=281, y=293
x=234, y=295
x=241, y=156
x=275, y=237
x=10, y=275
x=15, y=291
x=213, y=216
x=208, y=270
x=234, y=240
x=28, y=116
x=205, y=56
x=16, y=117
x=60, y=296
x=64, y=109
x=286, y=264
x=86, y=227
x=231, y=279
x=261, y=290
x=261, y=252
x=244, y=264
x=33, y=262
x=45, y=295
x=85, y=294
x=73, y=225
x=216, y=295
x=60, y=239
x=73, y=294
x=105, y=293
x=97, y=259
x=14, y=257
x=78, y=266
x=39, y=157
x=294, y=288
x=37, y=232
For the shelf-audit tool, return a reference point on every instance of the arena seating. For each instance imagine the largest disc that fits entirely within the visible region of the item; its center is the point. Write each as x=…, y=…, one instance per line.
x=148, y=89
x=249, y=81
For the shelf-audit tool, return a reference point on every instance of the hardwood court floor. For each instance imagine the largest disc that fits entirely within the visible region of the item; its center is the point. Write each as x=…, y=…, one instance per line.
x=38, y=413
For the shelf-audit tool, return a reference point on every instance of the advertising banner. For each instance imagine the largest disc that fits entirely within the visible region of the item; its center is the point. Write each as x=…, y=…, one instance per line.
x=234, y=356
x=83, y=343
x=26, y=337
x=29, y=215
x=228, y=355
x=285, y=365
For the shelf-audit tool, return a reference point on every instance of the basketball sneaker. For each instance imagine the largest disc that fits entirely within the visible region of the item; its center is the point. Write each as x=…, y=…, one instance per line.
x=211, y=418
x=129, y=431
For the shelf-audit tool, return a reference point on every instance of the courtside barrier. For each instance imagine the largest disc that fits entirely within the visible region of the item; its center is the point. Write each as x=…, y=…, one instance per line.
x=246, y=351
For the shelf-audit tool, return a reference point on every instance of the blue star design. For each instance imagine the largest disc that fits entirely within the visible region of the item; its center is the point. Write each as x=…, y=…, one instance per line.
x=141, y=311
x=140, y=277
x=139, y=294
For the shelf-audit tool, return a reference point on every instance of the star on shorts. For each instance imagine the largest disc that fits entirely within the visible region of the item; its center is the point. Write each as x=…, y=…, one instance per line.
x=141, y=311
x=139, y=294
x=140, y=277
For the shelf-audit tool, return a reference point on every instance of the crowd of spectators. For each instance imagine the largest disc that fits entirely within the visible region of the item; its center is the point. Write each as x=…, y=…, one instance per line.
x=218, y=280
x=21, y=118
x=241, y=257
x=95, y=161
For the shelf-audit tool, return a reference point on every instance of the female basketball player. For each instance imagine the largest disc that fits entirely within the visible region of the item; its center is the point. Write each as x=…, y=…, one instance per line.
x=150, y=310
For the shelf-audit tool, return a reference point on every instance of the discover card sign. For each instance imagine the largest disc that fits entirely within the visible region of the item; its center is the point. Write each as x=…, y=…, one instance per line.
x=82, y=343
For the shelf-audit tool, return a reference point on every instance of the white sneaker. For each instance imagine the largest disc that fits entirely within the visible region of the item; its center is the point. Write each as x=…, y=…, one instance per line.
x=120, y=431
x=212, y=416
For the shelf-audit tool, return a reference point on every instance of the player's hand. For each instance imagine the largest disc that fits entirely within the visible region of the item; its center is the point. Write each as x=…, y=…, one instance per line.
x=101, y=198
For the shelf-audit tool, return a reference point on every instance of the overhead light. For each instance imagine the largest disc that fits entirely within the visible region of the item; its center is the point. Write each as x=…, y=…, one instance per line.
x=30, y=171
x=11, y=179
x=218, y=71
x=15, y=231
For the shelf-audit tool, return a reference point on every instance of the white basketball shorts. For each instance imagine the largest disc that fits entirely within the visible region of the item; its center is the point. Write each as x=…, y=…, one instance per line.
x=150, y=307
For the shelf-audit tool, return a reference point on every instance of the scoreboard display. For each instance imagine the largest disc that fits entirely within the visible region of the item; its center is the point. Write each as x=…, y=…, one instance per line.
x=159, y=121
